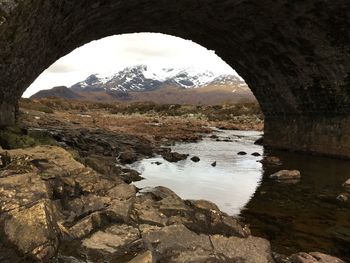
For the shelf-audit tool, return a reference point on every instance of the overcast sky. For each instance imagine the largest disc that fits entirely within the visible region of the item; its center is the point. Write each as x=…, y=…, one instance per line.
x=114, y=53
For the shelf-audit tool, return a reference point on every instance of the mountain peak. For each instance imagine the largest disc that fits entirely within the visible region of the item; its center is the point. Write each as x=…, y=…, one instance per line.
x=142, y=78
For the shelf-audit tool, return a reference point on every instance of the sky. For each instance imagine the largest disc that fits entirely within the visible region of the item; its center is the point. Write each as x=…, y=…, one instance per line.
x=114, y=53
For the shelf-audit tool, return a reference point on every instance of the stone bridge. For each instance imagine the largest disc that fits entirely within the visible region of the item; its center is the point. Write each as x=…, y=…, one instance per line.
x=294, y=54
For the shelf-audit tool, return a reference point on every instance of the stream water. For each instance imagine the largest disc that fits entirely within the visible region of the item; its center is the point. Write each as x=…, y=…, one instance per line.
x=303, y=216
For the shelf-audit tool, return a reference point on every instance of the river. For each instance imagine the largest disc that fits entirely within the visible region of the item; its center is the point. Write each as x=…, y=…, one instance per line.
x=303, y=216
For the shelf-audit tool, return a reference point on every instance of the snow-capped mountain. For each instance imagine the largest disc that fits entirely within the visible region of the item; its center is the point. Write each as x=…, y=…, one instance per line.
x=167, y=85
x=140, y=78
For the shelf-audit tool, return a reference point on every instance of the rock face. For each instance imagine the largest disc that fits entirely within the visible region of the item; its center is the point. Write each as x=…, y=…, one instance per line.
x=293, y=54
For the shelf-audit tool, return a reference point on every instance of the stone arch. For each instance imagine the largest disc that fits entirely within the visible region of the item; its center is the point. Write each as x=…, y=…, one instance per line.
x=294, y=55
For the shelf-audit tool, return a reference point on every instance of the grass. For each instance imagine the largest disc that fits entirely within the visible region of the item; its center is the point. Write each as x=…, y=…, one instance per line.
x=15, y=137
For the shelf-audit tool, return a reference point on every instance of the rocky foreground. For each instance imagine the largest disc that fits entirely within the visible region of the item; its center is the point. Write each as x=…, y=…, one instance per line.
x=53, y=208
x=66, y=196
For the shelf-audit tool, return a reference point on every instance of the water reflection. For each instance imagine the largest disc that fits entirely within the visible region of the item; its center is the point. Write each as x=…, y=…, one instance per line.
x=304, y=216
x=230, y=184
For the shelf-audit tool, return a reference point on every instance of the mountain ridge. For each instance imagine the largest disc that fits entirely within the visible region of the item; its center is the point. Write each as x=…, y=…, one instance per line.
x=132, y=83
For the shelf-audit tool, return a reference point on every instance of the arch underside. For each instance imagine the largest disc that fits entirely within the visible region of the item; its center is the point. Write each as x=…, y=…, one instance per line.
x=294, y=55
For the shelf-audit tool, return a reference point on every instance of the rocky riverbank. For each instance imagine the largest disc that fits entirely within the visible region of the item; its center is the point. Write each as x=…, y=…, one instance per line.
x=65, y=196
x=53, y=207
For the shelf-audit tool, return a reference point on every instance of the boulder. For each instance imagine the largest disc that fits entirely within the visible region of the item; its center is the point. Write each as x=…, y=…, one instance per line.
x=174, y=156
x=256, y=154
x=213, y=164
x=195, y=159
x=242, y=153
x=286, y=175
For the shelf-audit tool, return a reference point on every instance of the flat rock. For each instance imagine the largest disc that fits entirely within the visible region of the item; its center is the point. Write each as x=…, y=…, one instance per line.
x=122, y=191
x=114, y=239
x=286, y=175
x=248, y=250
x=175, y=237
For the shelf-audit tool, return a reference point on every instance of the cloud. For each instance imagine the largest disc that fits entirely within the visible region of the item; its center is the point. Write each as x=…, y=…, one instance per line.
x=117, y=52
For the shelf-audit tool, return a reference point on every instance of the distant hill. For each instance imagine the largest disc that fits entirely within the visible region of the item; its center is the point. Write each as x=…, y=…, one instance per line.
x=178, y=86
x=61, y=92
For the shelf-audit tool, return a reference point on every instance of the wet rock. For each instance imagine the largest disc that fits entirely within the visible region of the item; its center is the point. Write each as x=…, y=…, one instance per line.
x=174, y=156
x=347, y=184
x=314, y=257
x=33, y=231
x=213, y=164
x=249, y=250
x=130, y=176
x=256, y=154
x=205, y=205
x=207, y=218
x=105, y=165
x=259, y=141
x=242, y=153
x=271, y=160
x=213, y=136
x=128, y=156
x=116, y=239
x=157, y=163
x=286, y=175
x=343, y=197
x=195, y=159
